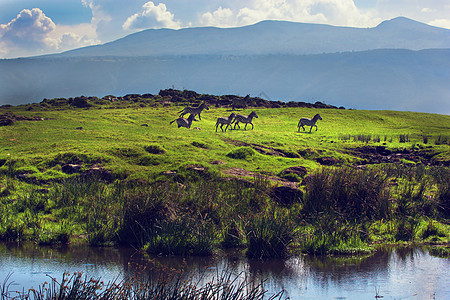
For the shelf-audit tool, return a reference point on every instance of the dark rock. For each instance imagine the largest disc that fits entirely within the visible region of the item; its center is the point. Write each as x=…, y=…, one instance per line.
x=80, y=102
x=4, y=121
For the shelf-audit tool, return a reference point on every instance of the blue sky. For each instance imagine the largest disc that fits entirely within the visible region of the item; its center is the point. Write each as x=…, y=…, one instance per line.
x=35, y=27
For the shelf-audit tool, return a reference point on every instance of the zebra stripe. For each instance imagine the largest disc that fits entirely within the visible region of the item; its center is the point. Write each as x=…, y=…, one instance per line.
x=308, y=122
x=245, y=119
x=225, y=120
x=194, y=110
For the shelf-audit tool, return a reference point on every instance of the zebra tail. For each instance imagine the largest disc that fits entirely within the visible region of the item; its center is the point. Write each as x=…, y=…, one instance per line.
x=172, y=121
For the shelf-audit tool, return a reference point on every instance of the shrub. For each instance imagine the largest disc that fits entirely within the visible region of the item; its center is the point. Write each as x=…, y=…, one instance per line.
x=356, y=195
x=183, y=236
x=269, y=235
x=431, y=230
x=154, y=149
x=244, y=153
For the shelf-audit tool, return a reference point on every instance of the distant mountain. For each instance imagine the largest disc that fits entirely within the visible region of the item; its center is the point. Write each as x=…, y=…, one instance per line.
x=399, y=65
x=273, y=37
x=376, y=79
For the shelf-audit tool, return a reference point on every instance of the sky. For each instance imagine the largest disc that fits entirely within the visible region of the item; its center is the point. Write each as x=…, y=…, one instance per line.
x=36, y=27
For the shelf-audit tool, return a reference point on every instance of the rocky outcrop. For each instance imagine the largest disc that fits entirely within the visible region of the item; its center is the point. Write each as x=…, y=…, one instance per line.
x=185, y=97
x=8, y=119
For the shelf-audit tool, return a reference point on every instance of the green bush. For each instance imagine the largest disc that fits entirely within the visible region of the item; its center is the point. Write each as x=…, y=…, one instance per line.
x=154, y=149
x=244, y=153
x=356, y=195
x=269, y=235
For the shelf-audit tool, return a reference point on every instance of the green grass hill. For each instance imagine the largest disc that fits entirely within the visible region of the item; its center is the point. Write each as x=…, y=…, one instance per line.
x=355, y=169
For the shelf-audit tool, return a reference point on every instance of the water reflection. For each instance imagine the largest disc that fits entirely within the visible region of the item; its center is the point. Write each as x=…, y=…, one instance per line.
x=399, y=273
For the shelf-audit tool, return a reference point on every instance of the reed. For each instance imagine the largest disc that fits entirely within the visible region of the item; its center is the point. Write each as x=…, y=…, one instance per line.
x=356, y=195
x=269, y=235
x=225, y=286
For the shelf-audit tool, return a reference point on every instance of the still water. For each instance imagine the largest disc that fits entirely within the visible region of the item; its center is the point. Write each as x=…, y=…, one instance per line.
x=407, y=273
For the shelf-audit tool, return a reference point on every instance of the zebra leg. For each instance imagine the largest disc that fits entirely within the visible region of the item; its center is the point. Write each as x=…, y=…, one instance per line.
x=237, y=123
x=252, y=125
x=316, y=127
x=217, y=125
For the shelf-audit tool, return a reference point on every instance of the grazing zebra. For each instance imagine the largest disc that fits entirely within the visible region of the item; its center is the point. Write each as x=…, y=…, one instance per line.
x=245, y=119
x=194, y=110
x=308, y=122
x=225, y=120
x=182, y=122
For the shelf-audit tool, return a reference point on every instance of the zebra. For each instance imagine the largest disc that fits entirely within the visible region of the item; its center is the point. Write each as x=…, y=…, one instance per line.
x=225, y=120
x=245, y=119
x=182, y=122
x=308, y=122
x=194, y=110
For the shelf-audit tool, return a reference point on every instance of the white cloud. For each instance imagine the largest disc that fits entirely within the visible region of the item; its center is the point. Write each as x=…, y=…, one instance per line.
x=219, y=17
x=335, y=12
x=427, y=10
x=444, y=23
x=30, y=29
x=151, y=16
x=33, y=33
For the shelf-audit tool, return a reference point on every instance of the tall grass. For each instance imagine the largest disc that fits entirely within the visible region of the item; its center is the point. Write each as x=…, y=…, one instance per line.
x=337, y=204
x=197, y=211
x=269, y=235
x=354, y=195
x=225, y=286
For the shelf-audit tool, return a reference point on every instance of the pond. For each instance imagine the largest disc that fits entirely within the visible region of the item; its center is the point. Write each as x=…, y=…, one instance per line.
x=396, y=273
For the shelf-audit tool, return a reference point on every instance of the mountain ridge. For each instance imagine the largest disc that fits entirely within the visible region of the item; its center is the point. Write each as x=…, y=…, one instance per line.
x=235, y=62
x=273, y=37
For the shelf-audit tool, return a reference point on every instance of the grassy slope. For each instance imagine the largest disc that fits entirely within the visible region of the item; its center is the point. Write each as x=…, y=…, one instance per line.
x=115, y=138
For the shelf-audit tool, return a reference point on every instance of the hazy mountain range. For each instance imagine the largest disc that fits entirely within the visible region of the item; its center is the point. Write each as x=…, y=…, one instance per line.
x=400, y=65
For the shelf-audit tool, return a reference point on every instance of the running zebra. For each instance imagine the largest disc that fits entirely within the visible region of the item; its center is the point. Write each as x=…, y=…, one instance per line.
x=245, y=119
x=225, y=120
x=182, y=122
x=194, y=110
x=308, y=122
